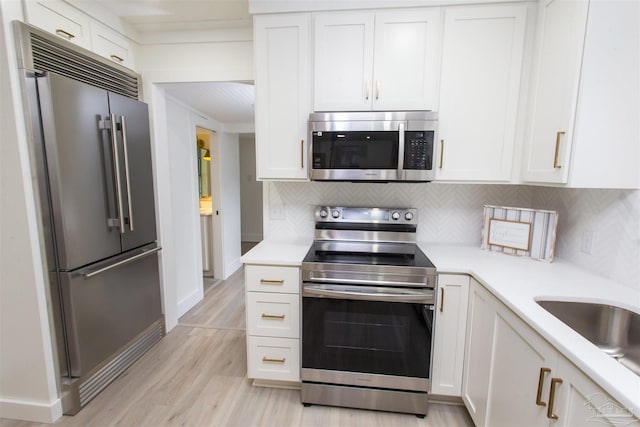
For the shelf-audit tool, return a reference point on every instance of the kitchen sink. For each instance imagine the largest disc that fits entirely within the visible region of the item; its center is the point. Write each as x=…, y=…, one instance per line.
x=614, y=330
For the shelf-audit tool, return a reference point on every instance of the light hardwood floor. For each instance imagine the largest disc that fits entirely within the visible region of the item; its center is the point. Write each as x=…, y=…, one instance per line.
x=196, y=376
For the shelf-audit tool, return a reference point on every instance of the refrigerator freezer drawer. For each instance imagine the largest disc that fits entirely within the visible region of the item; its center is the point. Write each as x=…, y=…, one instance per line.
x=104, y=311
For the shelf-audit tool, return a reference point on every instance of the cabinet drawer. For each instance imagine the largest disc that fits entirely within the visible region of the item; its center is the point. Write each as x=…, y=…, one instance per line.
x=273, y=315
x=60, y=19
x=267, y=278
x=273, y=358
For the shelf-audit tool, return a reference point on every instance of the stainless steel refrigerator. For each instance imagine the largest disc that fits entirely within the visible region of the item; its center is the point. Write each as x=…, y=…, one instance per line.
x=97, y=200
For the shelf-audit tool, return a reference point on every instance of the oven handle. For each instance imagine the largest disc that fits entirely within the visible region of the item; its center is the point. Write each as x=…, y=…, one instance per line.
x=375, y=294
x=376, y=283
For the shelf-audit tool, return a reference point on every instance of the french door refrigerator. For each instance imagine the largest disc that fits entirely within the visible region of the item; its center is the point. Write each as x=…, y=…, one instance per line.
x=97, y=198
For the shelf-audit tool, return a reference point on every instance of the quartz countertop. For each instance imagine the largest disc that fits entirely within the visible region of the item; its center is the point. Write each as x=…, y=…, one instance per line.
x=518, y=282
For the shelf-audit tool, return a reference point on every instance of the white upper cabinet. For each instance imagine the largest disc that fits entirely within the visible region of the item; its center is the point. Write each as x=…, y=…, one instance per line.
x=111, y=45
x=61, y=19
x=71, y=24
x=482, y=56
x=585, y=113
x=282, y=71
x=376, y=60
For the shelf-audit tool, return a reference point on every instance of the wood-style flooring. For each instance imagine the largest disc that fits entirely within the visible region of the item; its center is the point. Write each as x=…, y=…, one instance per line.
x=196, y=376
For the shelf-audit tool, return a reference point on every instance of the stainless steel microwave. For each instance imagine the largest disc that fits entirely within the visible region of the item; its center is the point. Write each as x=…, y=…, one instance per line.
x=372, y=146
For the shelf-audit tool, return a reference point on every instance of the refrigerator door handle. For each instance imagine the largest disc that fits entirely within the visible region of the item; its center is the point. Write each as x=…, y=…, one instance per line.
x=123, y=128
x=120, y=263
x=116, y=171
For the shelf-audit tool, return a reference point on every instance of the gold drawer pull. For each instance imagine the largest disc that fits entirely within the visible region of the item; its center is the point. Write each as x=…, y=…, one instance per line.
x=273, y=316
x=441, y=299
x=555, y=159
x=441, y=152
x=116, y=58
x=543, y=372
x=65, y=34
x=302, y=153
x=269, y=360
x=271, y=282
x=552, y=398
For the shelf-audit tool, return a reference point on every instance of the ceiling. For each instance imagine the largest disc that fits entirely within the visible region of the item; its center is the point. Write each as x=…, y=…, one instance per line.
x=226, y=102
x=171, y=15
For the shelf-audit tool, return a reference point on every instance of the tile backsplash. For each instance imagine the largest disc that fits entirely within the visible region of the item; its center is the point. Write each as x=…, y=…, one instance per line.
x=452, y=213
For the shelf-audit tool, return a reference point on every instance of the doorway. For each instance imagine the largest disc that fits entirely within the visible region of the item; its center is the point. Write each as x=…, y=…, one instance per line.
x=203, y=149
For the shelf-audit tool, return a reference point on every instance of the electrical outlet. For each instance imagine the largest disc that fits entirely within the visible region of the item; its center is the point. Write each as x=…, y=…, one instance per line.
x=276, y=211
x=586, y=242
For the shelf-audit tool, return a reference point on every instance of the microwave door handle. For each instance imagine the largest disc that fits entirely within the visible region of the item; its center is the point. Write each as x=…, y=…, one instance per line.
x=401, y=151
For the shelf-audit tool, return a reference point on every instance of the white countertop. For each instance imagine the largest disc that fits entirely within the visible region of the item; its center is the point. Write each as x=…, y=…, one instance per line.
x=518, y=283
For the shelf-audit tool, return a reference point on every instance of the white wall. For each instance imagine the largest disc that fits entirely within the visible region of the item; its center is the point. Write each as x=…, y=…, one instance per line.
x=186, y=216
x=250, y=191
x=28, y=388
x=230, y=174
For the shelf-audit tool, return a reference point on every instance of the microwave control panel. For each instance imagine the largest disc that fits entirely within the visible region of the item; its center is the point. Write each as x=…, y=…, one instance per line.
x=418, y=150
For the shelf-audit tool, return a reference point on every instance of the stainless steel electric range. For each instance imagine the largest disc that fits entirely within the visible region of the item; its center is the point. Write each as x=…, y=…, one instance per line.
x=367, y=317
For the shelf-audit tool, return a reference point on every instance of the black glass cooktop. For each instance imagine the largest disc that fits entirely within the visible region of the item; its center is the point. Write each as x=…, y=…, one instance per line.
x=411, y=257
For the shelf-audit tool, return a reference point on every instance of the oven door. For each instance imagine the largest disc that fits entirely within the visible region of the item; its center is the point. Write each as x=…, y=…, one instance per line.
x=367, y=336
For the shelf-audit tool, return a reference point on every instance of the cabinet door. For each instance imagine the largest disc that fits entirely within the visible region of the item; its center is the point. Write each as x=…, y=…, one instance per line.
x=479, y=91
x=61, y=19
x=561, y=33
x=406, y=60
x=450, y=334
x=343, y=61
x=579, y=401
x=111, y=45
x=518, y=373
x=478, y=352
x=282, y=95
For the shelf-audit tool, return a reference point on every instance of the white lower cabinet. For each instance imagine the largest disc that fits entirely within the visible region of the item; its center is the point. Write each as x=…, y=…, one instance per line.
x=512, y=376
x=273, y=322
x=450, y=333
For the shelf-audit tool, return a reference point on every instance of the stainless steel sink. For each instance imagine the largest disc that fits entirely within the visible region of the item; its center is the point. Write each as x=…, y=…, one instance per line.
x=614, y=330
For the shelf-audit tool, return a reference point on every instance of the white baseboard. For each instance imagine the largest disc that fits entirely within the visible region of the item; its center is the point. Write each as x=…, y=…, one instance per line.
x=188, y=302
x=30, y=411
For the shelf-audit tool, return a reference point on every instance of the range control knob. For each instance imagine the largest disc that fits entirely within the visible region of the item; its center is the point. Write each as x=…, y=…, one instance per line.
x=335, y=213
x=323, y=213
x=395, y=215
x=408, y=216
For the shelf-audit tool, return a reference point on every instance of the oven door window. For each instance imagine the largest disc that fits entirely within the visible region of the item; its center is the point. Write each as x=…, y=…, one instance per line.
x=365, y=336
x=355, y=150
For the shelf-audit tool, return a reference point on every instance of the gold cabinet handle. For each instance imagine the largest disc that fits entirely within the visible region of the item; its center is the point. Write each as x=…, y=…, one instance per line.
x=271, y=282
x=552, y=398
x=65, y=34
x=441, y=152
x=116, y=58
x=555, y=158
x=377, y=89
x=543, y=372
x=273, y=316
x=441, y=299
x=367, y=89
x=269, y=360
x=302, y=153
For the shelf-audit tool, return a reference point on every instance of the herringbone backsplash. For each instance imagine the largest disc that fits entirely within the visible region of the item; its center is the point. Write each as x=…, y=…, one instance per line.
x=452, y=213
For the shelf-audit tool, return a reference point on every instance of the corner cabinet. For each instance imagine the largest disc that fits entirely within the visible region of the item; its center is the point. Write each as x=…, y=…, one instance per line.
x=386, y=60
x=450, y=334
x=513, y=375
x=283, y=95
x=273, y=323
x=585, y=114
x=482, y=56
